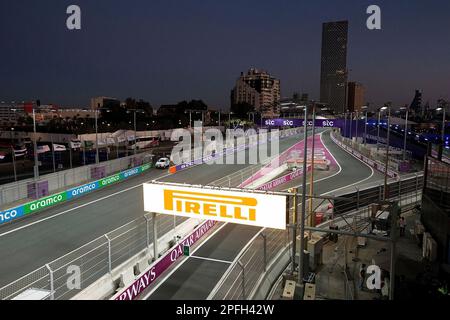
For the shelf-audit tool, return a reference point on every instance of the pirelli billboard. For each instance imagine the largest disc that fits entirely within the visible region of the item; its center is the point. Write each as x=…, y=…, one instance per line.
x=254, y=209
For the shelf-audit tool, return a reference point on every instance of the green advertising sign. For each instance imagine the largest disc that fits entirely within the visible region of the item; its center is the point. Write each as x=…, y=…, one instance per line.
x=109, y=180
x=45, y=202
x=37, y=205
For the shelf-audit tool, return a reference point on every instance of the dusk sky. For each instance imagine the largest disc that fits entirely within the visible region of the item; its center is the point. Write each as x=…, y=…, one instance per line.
x=165, y=51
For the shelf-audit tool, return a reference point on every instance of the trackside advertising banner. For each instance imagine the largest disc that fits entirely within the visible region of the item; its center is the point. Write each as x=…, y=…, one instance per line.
x=374, y=164
x=43, y=203
x=254, y=209
x=148, y=277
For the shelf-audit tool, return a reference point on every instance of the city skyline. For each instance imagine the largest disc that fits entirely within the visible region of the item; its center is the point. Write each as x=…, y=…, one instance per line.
x=167, y=52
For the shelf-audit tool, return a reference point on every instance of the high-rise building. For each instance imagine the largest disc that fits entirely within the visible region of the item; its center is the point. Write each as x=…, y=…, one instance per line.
x=416, y=104
x=259, y=89
x=333, y=76
x=355, y=96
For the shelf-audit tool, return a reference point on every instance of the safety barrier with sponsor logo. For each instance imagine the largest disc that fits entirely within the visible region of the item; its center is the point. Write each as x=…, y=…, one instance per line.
x=43, y=203
x=163, y=263
x=372, y=163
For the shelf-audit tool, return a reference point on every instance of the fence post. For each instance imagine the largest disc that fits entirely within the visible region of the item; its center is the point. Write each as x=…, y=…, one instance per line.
x=155, y=237
x=52, y=285
x=264, y=250
x=147, y=231
x=357, y=198
x=417, y=186
x=109, y=252
x=243, y=278
x=229, y=182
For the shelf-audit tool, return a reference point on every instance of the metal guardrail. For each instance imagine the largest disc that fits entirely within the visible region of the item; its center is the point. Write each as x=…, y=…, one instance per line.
x=94, y=259
x=244, y=274
x=101, y=255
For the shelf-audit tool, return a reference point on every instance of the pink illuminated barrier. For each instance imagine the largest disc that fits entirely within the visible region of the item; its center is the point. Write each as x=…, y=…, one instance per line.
x=284, y=179
x=373, y=164
x=163, y=263
x=322, y=154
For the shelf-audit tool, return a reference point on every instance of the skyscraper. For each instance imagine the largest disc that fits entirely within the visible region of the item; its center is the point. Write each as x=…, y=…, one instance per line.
x=333, y=76
x=416, y=104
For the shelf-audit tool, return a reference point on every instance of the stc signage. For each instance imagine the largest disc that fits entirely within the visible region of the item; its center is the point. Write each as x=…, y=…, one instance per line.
x=254, y=209
x=279, y=122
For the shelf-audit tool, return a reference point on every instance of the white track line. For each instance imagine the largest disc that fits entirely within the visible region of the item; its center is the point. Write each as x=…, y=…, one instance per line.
x=68, y=210
x=180, y=264
x=222, y=279
x=210, y=259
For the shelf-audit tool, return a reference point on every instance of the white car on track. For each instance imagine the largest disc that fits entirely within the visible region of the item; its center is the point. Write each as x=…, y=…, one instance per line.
x=162, y=163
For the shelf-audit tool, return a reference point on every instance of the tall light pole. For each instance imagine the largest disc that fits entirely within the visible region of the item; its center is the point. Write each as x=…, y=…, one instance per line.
x=378, y=132
x=97, y=158
x=311, y=181
x=135, y=137
x=443, y=125
x=303, y=212
x=386, y=193
x=406, y=132
x=135, y=126
x=365, y=124
x=36, y=161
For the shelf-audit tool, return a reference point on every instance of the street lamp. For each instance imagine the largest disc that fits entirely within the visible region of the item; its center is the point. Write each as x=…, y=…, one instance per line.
x=357, y=123
x=378, y=130
x=303, y=212
x=443, y=124
x=365, y=124
x=36, y=162
x=134, y=118
x=229, y=118
x=388, y=108
x=97, y=158
x=406, y=131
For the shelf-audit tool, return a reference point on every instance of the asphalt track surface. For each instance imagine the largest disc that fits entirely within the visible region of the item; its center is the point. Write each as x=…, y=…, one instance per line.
x=197, y=276
x=30, y=243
